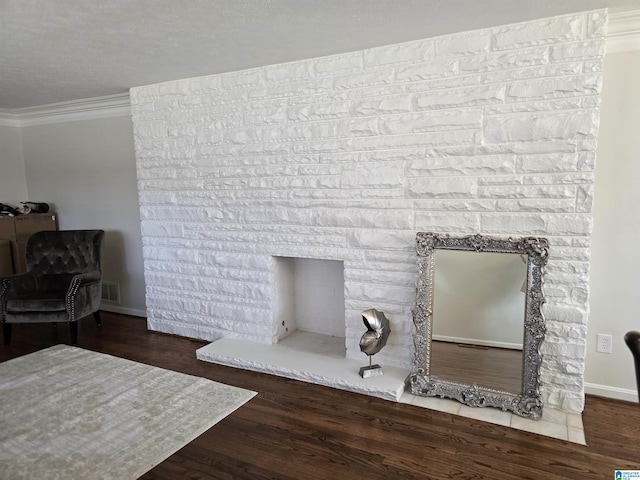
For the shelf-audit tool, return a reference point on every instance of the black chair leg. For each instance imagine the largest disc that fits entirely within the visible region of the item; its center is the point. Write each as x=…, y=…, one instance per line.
x=73, y=330
x=6, y=333
x=96, y=315
x=632, y=339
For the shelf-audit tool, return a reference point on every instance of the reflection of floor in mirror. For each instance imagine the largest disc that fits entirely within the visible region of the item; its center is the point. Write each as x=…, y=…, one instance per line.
x=498, y=368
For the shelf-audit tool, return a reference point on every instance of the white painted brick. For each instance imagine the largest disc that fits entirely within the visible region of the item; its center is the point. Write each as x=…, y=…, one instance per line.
x=581, y=268
x=572, y=402
x=381, y=239
x=505, y=61
x=578, y=51
x=455, y=137
x=427, y=71
x=584, y=199
x=563, y=349
x=573, y=368
x=471, y=43
x=569, y=225
x=317, y=112
x=346, y=157
x=169, y=255
x=578, y=254
x=592, y=67
x=554, y=87
x=568, y=314
x=551, y=30
x=377, y=293
x=382, y=175
x=383, y=105
x=597, y=24
x=287, y=71
x=438, y=187
x=408, y=52
x=382, y=277
x=540, y=126
x=552, y=70
x=334, y=64
x=461, y=97
x=549, y=163
x=518, y=192
x=456, y=223
x=447, y=83
x=477, y=165
x=579, y=178
x=538, y=106
x=424, y=122
x=550, y=206
x=362, y=218
x=518, y=224
x=456, y=205
x=400, y=155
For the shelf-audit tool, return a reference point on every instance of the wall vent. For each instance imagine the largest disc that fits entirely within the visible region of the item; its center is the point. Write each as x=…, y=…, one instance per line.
x=111, y=292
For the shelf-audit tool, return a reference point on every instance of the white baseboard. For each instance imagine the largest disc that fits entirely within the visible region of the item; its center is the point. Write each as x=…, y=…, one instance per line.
x=123, y=310
x=611, y=392
x=475, y=341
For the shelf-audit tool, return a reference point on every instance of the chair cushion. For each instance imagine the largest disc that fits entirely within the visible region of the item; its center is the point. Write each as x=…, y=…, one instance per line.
x=42, y=301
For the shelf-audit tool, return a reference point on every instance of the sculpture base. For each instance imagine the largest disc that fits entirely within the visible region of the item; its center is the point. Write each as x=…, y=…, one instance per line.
x=371, y=371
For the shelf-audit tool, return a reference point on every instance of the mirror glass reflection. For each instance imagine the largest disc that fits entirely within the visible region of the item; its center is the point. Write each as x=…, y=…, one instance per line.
x=476, y=303
x=478, y=314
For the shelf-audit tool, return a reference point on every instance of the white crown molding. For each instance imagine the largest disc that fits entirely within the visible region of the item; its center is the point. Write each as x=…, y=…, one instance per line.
x=8, y=119
x=108, y=106
x=623, y=32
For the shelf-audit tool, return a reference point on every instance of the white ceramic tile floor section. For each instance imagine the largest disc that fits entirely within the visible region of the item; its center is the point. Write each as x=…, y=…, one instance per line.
x=320, y=359
x=554, y=423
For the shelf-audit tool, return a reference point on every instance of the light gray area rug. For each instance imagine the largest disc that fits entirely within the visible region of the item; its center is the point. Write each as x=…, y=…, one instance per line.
x=69, y=413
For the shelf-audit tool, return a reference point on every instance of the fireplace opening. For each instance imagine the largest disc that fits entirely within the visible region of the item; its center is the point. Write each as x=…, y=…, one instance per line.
x=309, y=313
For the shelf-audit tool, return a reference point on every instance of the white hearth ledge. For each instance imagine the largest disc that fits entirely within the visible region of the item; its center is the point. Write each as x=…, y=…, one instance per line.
x=340, y=373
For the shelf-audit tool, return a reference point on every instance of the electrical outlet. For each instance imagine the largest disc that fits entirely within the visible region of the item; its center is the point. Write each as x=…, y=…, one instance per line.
x=605, y=343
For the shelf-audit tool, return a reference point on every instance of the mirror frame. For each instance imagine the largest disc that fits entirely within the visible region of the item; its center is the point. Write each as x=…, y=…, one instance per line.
x=528, y=403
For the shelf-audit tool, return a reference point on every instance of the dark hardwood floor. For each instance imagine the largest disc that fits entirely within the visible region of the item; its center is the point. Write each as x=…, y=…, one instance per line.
x=295, y=430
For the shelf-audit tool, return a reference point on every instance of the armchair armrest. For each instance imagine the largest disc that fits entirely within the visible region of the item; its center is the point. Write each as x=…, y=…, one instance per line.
x=82, y=279
x=84, y=294
x=20, y=283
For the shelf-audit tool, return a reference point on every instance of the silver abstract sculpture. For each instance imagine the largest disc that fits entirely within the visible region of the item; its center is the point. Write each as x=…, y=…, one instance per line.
x=374, y=339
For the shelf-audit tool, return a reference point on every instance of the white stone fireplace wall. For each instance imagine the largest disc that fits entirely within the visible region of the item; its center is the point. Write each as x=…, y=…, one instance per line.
x=346, y=157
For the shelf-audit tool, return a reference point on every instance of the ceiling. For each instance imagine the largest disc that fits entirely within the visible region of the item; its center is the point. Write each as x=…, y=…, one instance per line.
x=60, y=50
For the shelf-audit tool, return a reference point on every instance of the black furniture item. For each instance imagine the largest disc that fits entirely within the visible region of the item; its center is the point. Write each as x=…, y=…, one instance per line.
x=632, y=339
x=63, y=281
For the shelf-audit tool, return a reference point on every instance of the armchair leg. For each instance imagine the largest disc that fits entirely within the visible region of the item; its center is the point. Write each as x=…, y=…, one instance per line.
x=6, y=333
x=96, y=315
x=73, y=330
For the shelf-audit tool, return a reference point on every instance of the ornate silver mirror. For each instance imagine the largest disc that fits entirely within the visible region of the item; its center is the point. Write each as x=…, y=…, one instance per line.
x=478, y=321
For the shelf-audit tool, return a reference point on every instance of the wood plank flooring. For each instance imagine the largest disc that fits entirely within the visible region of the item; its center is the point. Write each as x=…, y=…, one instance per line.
x=492, y=367
x=294, y=430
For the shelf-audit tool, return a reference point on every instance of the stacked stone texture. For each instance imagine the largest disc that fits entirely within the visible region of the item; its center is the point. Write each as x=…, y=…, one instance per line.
x=346, y=157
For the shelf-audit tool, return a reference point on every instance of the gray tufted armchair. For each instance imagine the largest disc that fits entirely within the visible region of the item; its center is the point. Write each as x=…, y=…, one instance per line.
x=63, y=281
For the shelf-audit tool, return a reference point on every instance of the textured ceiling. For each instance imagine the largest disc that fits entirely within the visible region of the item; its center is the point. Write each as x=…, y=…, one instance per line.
x=59, y=50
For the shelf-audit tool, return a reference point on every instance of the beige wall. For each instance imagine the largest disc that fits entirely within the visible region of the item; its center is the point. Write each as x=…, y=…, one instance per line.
x=13, y=182
x=615, y=255
x=86, y=169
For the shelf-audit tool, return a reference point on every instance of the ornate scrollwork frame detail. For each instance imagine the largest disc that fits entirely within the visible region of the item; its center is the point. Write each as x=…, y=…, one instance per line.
x=528, y=403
